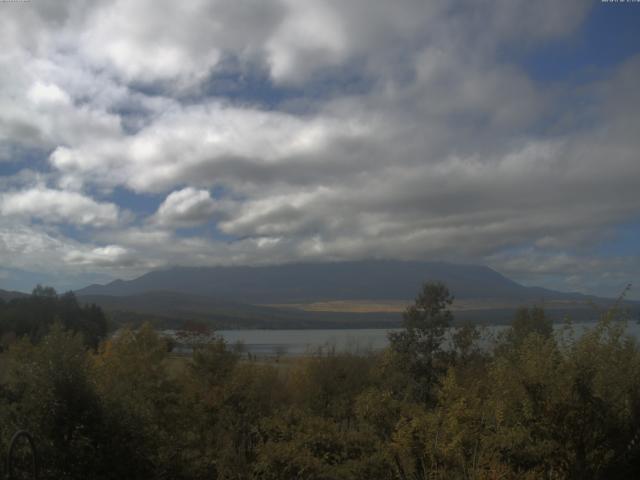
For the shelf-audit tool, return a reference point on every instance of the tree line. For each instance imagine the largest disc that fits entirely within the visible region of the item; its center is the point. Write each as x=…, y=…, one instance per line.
x=32, y=316
x=439, y=403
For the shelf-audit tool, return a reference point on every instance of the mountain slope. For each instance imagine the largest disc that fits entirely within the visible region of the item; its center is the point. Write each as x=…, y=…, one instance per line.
x=393, y=280
x=7, y=295
x=172, y=309
x=321, y=295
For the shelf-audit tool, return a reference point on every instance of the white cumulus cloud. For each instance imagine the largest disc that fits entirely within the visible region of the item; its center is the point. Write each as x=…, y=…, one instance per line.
x=186, y=207
x=328, y=130
x=55, y=206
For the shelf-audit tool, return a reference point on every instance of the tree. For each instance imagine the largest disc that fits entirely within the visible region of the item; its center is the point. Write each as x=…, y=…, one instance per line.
x=531, y=320
x=34, y=315
x=569, y=409
x=142, y=405
x=418, y=346
x=465, y=343
x=52, y=395
x=44, y=292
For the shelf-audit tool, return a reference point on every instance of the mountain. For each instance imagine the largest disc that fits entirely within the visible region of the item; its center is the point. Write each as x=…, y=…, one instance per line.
x=321, y=295
x=308, y=282
x=7, y=295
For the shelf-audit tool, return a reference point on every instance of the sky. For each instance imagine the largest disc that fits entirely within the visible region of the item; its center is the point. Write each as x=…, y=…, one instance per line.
x=142, y=135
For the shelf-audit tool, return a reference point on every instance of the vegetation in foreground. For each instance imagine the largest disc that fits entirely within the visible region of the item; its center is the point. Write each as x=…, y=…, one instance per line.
x=535, y=405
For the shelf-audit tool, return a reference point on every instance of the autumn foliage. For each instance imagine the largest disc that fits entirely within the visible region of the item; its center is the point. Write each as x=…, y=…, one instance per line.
x=439, y=403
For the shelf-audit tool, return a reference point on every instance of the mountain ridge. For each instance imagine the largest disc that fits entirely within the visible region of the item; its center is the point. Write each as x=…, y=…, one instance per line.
x=8, y=295
x=306, y=282
x=305, y=295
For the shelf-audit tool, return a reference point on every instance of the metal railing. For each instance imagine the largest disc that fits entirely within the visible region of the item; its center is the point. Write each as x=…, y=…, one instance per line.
x=10, y=460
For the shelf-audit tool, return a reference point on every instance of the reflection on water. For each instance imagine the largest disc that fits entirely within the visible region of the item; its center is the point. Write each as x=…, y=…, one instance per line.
x=305, y=342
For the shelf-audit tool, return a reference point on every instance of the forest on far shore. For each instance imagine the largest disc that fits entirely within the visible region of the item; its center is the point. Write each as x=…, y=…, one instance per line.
x=537, y=404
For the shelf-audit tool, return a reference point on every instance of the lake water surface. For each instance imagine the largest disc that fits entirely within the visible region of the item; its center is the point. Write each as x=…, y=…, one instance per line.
x=306, y=342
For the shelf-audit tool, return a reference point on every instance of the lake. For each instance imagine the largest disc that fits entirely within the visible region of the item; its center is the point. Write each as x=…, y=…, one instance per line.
x=306, y=342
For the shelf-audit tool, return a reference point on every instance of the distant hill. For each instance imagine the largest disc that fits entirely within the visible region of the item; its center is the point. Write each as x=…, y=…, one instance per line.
x=171, y=309
x=7, y=295
x=308, y=282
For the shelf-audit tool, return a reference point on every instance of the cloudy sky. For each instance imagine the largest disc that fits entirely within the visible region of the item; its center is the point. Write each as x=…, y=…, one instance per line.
x=135, y=135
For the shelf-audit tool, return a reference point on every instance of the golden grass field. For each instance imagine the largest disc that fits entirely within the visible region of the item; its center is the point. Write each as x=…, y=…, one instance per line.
x=398, y=306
